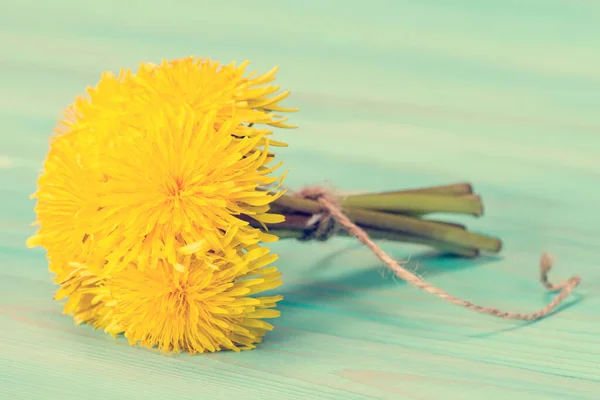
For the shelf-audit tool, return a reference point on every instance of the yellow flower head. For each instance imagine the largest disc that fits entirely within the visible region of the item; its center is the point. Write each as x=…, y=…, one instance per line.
x=88, y=299
x=159, y=159
x=208, y=306
x=150, y=175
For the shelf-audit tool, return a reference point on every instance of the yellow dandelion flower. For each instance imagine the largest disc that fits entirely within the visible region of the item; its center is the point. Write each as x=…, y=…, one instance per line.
x=88, y=300
x=174, y=141
x=185, y=182
x=210, y=305
x=67, y=189
x=205, y=84
x=199, y=83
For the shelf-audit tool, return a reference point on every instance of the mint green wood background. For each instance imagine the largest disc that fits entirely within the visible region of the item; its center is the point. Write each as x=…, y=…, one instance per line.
x=394, y=94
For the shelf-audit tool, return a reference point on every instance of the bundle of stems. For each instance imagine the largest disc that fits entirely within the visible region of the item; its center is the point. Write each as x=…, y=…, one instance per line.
x=400, y=216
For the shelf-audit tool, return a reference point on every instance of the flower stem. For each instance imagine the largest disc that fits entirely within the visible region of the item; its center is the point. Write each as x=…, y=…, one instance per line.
x=442, y=232
x=400, y=224
x=456, y=189
x=417, y=202
x=295, y=227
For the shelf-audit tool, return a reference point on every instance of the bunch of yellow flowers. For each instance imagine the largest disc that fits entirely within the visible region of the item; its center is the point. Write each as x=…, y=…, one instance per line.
x=157, y=194
x=144, y=200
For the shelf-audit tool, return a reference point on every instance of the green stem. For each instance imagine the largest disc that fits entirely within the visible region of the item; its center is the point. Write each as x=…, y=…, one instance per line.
x=295, y=227
x=456, y=189
x=446, y=247
x=394, y=237
x=401, y=224
x=430, y=229
x=419, y=203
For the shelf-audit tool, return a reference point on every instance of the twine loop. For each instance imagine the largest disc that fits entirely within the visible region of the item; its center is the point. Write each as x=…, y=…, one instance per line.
x=321, y=227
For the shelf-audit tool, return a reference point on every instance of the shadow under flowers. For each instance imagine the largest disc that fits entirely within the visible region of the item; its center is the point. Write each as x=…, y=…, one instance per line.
x=340, y=281
x=375, y=275
x=333, y=295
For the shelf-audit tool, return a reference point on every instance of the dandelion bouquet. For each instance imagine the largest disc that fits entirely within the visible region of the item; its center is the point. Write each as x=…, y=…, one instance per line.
x=160, y=192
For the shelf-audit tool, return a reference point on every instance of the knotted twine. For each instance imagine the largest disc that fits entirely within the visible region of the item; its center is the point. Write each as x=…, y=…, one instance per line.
x=332, y=219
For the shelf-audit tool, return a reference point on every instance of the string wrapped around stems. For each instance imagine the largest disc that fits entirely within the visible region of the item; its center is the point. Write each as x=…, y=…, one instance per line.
x=331, y=219
x=399, y=216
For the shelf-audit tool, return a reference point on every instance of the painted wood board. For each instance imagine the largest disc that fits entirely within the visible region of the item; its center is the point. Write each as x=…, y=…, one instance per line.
x=393, y=94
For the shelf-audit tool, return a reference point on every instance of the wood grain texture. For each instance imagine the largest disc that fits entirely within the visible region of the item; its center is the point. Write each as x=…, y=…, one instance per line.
x=393, y=94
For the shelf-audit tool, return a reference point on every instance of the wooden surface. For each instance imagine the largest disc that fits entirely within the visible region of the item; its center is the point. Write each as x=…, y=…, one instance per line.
x=394, y=94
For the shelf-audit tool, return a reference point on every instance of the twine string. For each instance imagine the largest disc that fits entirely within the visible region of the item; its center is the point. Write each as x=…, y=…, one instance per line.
x=332, y=218
x=321, y=228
